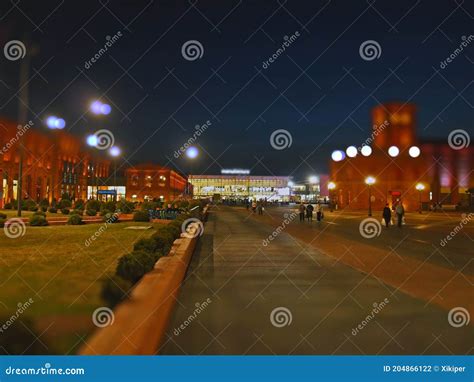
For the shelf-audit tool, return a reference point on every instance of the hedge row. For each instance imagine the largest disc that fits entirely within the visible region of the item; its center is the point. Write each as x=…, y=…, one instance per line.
x=134, y=265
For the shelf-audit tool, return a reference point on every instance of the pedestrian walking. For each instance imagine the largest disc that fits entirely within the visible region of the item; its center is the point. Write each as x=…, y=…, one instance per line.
x=387, y=215
x=302, y=210
x=319, y=212
x=254, y=206
x=309, y=212
x=260, y=207
x=400, y=214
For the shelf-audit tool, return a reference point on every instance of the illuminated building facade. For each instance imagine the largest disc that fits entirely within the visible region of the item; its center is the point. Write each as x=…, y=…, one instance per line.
x=405, y=168
x=151, y=181
x=54, y=162
x=244, y=186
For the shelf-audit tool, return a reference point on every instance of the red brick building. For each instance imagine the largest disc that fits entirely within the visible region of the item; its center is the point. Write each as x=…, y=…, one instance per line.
x=54, y=162
x=152, y=181
x=399, y=161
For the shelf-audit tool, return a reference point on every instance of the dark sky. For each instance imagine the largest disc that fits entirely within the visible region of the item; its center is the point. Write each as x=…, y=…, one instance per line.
x=319, y=89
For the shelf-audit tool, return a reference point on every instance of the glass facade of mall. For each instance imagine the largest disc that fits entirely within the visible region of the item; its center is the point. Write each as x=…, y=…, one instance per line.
x=272, y=188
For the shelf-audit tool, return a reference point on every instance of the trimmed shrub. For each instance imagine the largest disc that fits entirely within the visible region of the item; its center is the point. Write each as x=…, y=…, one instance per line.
x=44, y=208
x=77, y=212
x=134, y=265
x=64, y=203
x=40, y=213
x=53, y=210
x=172, y=229
x=111, y=218
x=65, y=211
x=37, y=220
x=125, y=206
x=44, y=203
x=93, y=205
x=79, y=204
x=8, y=206
x=104, y=212
x=2, y=222
x=163, y=241
x=141, y=216
x=147, y=245
x=109, y=206
x=75, y=220
x=3, y=216
x=115, y=290
x=91, y=212
x=149, y=206
x=35, y=208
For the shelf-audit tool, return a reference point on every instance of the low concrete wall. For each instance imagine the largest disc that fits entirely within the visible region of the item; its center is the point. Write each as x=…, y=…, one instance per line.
x=140, y=322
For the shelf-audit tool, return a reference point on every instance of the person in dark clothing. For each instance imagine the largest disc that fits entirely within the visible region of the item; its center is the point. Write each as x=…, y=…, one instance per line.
x=302, y=210
x=400, y=213
x=309, y=212
x=387, y=215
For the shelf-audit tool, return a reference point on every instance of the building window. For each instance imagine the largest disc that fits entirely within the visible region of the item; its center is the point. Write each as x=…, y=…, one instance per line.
x=148, y=181
x=134, y=180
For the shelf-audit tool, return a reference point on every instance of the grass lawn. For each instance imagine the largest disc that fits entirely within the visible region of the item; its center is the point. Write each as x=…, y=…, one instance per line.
x=27, y=214
x=53, y=266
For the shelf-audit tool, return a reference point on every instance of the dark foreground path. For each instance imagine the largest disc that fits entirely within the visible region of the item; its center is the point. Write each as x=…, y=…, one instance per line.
x=239, y=282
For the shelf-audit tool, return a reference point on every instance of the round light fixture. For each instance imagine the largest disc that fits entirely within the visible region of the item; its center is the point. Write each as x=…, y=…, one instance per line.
x=414, y=151
x=393, y=151
x=351, y=151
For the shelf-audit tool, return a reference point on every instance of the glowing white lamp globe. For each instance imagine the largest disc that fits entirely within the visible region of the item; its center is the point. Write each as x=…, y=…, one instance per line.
x=338, y=155
x=393, y=151
x=366, y=151
x=192, y=152
x=351, y=151
x=414, y=151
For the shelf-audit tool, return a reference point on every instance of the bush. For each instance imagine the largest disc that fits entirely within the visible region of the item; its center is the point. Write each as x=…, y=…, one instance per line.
x=109, y=206
x=149, y=206
x=141, y=216
x=172, y=229
x=64, y=203
x=125, y=206
x=44, y=208
x=44, y=203
x=8, y=206
x=53, y=210
x=65, y=211
x=33, y=208
x=3, y=216
x=147, y=245
x=79, y=204
x=115, y=290
x=134, y=265
x=104, y=212
x=163, y=241
x=2, y=222
x=75, y=220
x=38, y=220
x=77, y=212
x=111, y=218
x=21, y=338
x=91, y=212
x=40, y=213
x=93, y=205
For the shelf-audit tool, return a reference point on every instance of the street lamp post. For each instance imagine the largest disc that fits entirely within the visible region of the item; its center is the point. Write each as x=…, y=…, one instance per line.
x=370, y=180
x=420, y=187
x=114, y=151
x=331, y=187
x=192, y=153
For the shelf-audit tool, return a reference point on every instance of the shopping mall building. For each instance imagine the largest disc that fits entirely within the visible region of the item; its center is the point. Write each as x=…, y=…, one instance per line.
x=394, y=164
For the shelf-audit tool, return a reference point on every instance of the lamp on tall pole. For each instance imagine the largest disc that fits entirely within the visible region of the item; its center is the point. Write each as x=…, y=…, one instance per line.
x=115, y=152
x=331, y=187
x=420, y=187
x=192, y=153
x=369, y=181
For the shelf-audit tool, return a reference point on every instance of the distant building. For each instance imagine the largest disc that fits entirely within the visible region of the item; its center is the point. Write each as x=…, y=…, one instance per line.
x=54, y=163
x=241, y=186
x=403, y=166
x=152, y=181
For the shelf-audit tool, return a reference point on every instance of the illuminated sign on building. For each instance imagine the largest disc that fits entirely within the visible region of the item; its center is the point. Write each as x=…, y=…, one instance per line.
x=235, y=171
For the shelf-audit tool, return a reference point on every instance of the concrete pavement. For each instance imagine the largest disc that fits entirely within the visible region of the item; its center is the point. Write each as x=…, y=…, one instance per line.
x=319, y=305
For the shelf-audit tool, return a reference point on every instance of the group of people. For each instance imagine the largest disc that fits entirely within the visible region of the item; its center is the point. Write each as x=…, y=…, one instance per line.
x=257, y=206
x=307, y=212
x=399, y=211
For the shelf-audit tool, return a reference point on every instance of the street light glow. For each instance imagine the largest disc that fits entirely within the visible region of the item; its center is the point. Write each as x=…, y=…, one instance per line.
x=313, y=179
x=331, y=185
x=414, y=151
x=338, y=155
x=92, y=140
x=291, y=184
x=420, y=186
x=114, y=151
x=370, y=180
x=192, y=152
x=351, y=151
x=54, y=122
x=393, y=151
x=98, y=107
x=366, y=151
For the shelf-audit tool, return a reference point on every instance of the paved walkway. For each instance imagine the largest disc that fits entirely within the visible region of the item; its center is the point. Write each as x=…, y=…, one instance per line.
x=245, y=281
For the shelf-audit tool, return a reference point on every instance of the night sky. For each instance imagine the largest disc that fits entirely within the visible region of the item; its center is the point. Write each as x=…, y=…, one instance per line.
x=319, y=89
